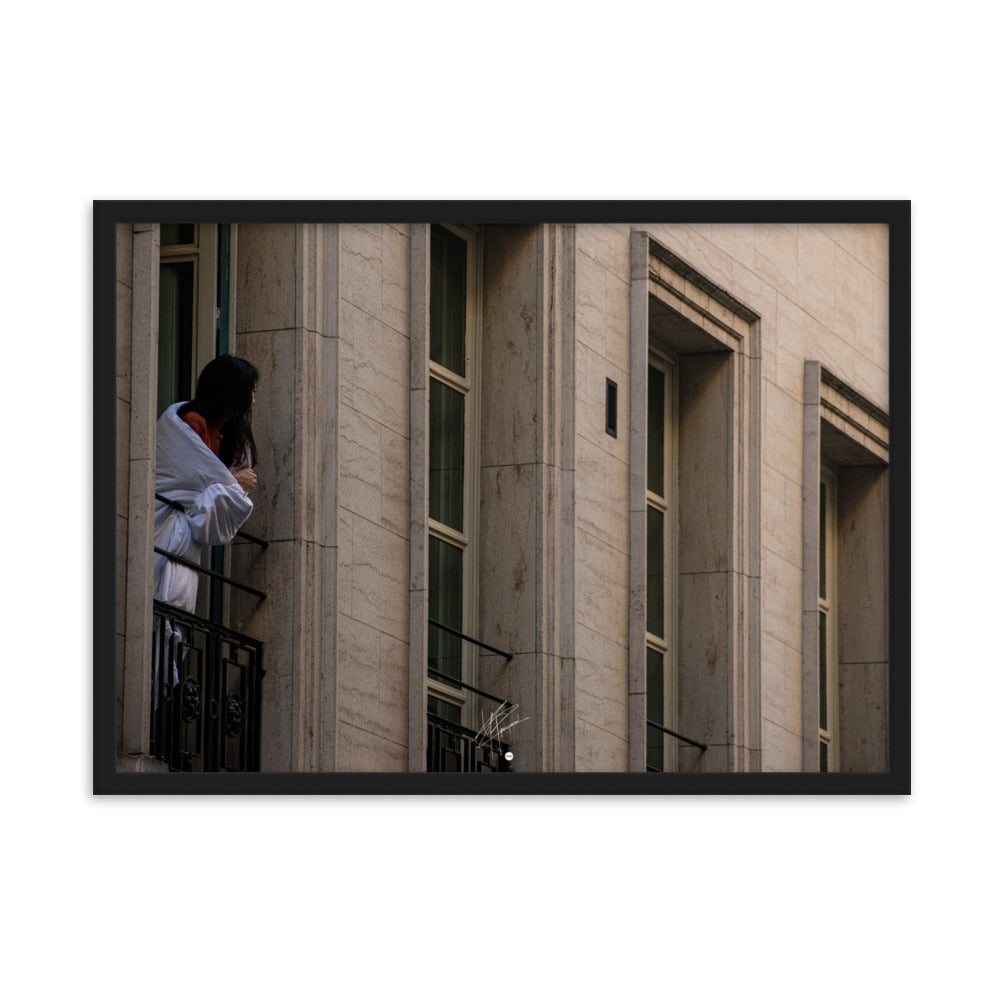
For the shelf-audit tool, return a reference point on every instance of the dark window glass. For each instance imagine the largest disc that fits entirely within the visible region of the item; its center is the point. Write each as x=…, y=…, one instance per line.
x=444, y=650
x=822, y=540
x=445, y=709
x=824, y=757
x=174, y=234
x=654, y=708
x=448, y=288
x=654, y=571
x=176, y=333
x=655, y=432
x=822, y=671
x=447, y=454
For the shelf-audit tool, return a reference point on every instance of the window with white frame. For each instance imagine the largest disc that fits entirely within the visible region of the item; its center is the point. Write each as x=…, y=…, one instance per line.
x=827, y=681
x=453, y=490
x=190, y=282
x=661, y=529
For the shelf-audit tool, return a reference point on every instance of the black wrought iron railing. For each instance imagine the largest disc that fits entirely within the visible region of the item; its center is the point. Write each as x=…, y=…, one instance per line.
x=452, y=746
x=655, y=743
x=468, y=638
x=206, y=682
x=206, y=694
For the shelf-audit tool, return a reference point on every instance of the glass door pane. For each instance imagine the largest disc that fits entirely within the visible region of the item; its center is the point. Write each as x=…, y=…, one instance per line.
x=448, y=284
x=654, y=572
x=823, y=721
x=655, y=482
x=654, y=708
x=444, y=650
x=447, y=454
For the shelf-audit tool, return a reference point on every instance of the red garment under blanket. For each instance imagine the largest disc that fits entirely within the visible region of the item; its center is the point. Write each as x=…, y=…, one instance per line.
x=212, y=436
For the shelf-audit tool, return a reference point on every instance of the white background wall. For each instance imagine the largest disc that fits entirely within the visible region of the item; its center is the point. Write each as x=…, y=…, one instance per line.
x=791, y=104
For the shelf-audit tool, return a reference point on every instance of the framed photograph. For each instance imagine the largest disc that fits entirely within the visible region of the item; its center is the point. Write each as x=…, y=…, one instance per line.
x=502, y=497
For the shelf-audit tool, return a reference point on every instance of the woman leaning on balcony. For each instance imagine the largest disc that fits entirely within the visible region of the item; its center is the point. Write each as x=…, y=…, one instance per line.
x=205, y=454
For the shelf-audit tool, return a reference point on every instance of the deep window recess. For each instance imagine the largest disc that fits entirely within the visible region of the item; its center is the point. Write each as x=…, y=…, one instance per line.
x=452, y=482
x=661, y=516
x=845, y=618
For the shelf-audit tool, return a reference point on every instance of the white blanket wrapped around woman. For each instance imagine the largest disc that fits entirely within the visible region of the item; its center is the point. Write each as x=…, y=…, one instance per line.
x=215, y=506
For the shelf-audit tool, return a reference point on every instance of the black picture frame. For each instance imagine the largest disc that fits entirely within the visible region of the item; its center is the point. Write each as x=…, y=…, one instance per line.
x=107, y=780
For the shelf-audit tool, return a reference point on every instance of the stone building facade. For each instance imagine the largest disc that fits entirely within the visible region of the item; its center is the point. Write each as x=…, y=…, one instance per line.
x=631, y=480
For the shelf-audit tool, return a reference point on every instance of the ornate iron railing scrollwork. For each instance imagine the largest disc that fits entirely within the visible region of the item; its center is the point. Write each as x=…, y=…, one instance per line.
x=206, y=685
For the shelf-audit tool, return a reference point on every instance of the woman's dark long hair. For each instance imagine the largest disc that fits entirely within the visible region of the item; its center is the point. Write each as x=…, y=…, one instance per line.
x=224, y=397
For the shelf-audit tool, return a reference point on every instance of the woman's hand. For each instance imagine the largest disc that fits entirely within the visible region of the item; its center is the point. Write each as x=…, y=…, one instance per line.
x=247, y=478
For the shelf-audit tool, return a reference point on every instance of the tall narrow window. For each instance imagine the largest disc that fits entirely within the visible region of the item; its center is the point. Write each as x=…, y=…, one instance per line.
x=190, y=278
x=660, y=547
x=177, y=331
x=828, y=688
x=452, y=480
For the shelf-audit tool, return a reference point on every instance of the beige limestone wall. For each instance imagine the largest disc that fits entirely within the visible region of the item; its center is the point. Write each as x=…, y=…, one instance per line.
x=373, y=473
x=286, y=324
x=123, y=396
x=822, y=294
x=601, y=536
x=518, y=500
x=137, y=275
x=322, y=312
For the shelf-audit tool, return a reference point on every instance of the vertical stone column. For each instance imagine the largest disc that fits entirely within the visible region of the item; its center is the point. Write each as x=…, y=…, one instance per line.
x=373, y=499
x=139, y=264
x=420, y=256
x=556, y=524
x=123, y=401
x=509, y=599
x=563, y=511
x=287, y=325
x=526, y=462
x=752, y=596
x=811, y=458
x=638, y=389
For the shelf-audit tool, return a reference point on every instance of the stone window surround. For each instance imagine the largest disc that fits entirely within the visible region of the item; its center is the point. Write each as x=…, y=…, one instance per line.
x=703, y=318
x=844, y=428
